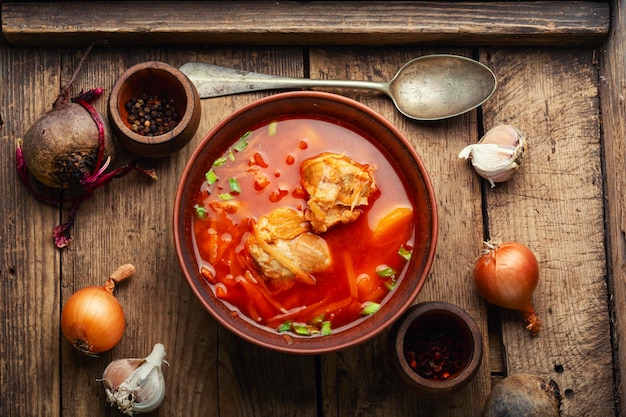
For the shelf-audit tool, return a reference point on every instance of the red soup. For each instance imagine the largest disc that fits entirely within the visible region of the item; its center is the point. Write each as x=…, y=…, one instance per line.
x=362, y=254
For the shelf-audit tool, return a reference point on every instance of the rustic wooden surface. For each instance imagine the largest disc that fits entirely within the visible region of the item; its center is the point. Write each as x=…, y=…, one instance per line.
x=566, y=203
x=613, y=90
x=269, y=22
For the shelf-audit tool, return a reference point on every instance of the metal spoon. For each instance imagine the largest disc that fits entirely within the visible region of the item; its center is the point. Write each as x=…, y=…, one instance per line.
x=430, y=87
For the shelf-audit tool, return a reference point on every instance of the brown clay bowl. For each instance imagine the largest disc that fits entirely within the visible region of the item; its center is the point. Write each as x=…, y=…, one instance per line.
x=387, y=138
x=156, y=79
x=435, y=324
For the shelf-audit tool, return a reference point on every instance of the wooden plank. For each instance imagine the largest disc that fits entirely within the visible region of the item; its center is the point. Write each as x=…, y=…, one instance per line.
x=307, y=23
x=612, y=92
x=29, y=264
x=359, y=381
x=250, y=378
x=555, y=206
x=211, y=371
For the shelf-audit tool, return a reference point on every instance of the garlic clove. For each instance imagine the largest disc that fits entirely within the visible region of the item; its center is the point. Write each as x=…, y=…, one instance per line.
x=136, y=385
x=498, y=155
x=118, y=370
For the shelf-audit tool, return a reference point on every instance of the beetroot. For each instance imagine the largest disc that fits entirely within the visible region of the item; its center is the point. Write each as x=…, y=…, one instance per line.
x=523, y=395
x=61, y=147
x=69, y=147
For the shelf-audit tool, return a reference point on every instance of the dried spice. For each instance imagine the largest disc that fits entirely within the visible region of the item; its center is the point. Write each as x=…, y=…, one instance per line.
x=151, y=115
x=433, y=351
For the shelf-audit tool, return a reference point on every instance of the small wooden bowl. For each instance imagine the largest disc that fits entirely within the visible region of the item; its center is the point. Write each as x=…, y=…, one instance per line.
x=156, y=79
x=430, y=319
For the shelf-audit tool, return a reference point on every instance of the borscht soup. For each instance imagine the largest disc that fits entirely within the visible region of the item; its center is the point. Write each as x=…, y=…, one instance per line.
x=302, y=226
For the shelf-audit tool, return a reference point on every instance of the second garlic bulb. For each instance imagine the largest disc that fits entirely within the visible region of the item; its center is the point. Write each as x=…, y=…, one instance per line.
x=498, y=155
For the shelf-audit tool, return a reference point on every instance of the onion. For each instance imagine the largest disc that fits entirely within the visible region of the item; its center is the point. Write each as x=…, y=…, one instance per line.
x=92, y=318
x=506, y=274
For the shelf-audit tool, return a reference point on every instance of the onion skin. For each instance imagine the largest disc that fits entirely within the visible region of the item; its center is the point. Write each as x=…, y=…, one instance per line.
x=506, y=275
x=61, y=147
x=92, y=319
x=523, y=395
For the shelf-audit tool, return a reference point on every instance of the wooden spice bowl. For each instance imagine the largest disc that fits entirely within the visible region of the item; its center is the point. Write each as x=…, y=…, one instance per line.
x=154, y=78
x=437, y=348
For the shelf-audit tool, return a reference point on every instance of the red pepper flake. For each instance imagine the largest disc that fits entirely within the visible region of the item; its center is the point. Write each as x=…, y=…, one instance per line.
x=258, y=160
x=299, y=192
x=261, y=182
x=278, y=195
x=433, y=351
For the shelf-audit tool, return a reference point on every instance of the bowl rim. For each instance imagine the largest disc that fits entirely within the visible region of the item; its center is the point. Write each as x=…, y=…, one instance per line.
x=315, y=344
x=459, y=316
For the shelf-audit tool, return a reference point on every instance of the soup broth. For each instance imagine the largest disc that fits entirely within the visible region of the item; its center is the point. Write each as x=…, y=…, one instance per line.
x=261, y=172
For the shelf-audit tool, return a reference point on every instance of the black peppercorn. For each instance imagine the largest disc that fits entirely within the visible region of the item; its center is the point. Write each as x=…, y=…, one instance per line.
x=151, y=115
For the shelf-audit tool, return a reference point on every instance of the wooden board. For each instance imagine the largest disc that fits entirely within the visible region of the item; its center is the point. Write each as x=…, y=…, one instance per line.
x=554, y=205
x=29, y=324
x=307, y=23
x=362, y=375
x=612, y=93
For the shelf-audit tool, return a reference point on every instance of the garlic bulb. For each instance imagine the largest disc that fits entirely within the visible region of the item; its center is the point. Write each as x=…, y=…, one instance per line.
x=498, y=155
x=136, y=385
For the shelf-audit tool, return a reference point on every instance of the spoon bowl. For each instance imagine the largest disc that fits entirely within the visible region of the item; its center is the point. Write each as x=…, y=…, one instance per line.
x=431, y=87
x=436, y=87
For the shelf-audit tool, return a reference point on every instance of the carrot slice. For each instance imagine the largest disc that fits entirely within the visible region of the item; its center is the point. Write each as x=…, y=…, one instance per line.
x=393, y=225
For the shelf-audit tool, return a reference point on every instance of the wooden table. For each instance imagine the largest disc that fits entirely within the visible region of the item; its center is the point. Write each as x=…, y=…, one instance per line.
x=560, y=69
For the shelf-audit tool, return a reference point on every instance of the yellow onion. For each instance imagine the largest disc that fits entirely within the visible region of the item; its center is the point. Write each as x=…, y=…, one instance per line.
x=506, y=274
x=92, y=319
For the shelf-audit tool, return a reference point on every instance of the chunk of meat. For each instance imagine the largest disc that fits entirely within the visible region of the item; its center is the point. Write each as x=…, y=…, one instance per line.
x=283, y=247
x=336, y=185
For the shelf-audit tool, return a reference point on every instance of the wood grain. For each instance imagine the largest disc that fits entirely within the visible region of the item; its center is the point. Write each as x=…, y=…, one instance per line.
x=361, y=374
x=554, y=205
x=307, y=23
x=29, y=312
x=612, y=93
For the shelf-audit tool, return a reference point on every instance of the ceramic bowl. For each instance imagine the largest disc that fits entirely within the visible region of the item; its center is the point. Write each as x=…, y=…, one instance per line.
x=385, y=137
x=436, y=328
x=154, y=78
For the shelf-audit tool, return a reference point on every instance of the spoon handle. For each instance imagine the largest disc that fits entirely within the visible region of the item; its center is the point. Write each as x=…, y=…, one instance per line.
x=215, y=81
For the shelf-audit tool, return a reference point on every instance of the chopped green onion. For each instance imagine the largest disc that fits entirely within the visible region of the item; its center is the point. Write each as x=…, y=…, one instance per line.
x=211, y=177
x=386, y=272
x=391, y=284
x=326, y=329
x=219, y=161
x=406, y=254
x=271, y=128
x=242, y=143
x=225, y=197
x=369, y=307
x=301, y=329
x=285, y=327
x=200, y=211
x=234, y=185
x=231, y=156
